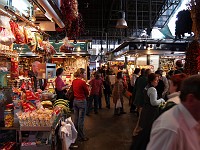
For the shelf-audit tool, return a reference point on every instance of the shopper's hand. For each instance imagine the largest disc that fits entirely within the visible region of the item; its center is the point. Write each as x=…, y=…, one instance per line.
x=163, y=101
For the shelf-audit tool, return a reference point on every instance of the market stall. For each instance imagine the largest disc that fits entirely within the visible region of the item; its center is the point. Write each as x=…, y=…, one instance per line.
x=30, y=117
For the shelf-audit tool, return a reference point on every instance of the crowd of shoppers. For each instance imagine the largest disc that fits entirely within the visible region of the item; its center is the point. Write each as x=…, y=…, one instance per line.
x=167, y=108
x=178, y=128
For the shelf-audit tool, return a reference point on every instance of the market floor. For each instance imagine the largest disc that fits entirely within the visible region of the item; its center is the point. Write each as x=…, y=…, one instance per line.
x=108, y=132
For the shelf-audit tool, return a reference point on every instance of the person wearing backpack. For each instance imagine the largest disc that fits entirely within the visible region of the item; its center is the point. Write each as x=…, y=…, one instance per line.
x=174, y=90
x=179, y=127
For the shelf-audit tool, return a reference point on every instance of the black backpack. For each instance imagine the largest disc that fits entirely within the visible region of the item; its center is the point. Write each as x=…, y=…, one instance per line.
x=166, y=107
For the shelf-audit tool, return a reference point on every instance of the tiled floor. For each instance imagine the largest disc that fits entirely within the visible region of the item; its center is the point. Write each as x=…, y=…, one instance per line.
x=108, y=132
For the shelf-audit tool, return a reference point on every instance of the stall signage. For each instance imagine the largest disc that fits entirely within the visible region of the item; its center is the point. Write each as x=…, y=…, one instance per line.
x=83, y=46
x=120, y=52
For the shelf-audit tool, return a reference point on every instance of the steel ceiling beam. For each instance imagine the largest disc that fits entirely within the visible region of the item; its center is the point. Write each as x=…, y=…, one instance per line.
x=166, y=12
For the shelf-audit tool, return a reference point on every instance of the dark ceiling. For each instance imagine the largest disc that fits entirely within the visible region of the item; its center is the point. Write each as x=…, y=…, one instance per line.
x=100, y=17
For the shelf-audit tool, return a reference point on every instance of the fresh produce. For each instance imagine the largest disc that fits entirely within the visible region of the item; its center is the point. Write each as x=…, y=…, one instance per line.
x=64, y=104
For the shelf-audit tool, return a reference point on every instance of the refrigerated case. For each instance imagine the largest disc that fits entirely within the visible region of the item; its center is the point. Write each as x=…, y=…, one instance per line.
x=46, y=70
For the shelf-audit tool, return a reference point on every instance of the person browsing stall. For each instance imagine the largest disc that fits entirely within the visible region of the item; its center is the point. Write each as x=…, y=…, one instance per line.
x=60, y=86
x=179, y=127
x=81, y=92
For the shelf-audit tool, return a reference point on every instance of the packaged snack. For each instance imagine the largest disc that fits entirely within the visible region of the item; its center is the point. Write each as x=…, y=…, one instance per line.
x=18, y=32
x=8, y=118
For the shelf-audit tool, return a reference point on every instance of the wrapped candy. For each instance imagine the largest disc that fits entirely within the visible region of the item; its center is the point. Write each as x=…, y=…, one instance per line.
x=28, y=106
x=30, y=95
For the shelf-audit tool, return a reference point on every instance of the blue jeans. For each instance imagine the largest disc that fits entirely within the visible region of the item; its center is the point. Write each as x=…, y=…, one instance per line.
x=79, y=116
x=107, y=98
x=99, y=102
x=96, y=99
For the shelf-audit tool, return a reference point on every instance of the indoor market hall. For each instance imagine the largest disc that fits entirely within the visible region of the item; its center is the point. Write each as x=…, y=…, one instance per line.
x=107, y=131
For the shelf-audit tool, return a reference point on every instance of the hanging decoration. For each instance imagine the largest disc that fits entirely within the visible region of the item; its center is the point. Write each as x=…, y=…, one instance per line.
x=183, y=23
x=66, y=47
x=192, y=60
x=195, y=14
x=73, y=19
x=18, y=32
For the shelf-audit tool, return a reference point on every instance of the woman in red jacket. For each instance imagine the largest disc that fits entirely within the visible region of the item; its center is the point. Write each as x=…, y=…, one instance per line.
x=81, y=92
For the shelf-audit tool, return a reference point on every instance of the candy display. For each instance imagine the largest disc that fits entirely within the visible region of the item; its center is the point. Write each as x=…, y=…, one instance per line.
x=40, y=117
x=28, y=106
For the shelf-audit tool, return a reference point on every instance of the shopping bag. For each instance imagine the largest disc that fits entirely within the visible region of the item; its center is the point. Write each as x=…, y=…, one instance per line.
x=127, y=94
x=118, y=104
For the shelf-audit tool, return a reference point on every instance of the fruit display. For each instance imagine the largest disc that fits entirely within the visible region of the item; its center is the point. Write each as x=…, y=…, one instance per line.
x=47, y=104
x=63, y=104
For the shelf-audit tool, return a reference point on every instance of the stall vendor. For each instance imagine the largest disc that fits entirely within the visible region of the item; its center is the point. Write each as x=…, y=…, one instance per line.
x=33, y=75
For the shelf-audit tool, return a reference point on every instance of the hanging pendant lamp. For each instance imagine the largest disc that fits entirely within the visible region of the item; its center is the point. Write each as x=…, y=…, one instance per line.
x=121, y=22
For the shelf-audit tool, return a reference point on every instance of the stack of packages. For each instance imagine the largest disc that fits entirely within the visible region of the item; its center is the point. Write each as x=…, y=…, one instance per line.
x=38, y=117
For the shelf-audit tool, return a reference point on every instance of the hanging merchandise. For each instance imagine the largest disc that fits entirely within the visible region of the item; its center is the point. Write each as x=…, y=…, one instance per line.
x=77, y=27
x=47, y=48
x=191, y=61
x=18, y=32
x=195, y=15
x=6, y=35
x=66, y=47
x=73, y=19
x=39, y=39
x=14, y=69
x=29, y=36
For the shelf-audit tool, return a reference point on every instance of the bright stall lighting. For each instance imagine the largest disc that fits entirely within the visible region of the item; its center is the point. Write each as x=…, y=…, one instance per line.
x=22, y=6
x=156, y=34
x=120, y=58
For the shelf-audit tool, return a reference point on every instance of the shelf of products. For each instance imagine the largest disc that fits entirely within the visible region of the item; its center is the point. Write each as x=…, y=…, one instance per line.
x=43, y=138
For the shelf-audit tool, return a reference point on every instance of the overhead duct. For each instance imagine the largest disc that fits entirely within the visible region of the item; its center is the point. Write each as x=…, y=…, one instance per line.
x=45, y=4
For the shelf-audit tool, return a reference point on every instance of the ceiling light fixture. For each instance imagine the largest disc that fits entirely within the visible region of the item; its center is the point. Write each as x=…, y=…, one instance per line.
x=56, y=41
x=75, y=42
x=121, y=23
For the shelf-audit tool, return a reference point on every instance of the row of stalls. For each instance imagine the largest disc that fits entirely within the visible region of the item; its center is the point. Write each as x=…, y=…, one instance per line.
x=146, y=53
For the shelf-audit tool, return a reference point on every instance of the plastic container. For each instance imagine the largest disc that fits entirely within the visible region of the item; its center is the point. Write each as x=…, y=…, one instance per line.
x=8, y=118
